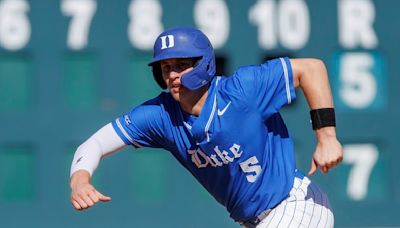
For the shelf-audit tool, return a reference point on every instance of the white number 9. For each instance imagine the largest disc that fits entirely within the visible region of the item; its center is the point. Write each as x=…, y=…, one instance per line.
x=15, y=29
x=212, y=17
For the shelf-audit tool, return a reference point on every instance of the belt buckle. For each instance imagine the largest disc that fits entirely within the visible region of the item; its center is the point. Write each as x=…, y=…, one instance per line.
x=253, y=222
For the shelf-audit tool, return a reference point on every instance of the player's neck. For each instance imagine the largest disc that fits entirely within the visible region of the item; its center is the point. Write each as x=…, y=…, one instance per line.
x=193, y=101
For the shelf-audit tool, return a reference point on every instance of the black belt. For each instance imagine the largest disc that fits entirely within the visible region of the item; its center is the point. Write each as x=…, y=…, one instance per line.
x=253, y=222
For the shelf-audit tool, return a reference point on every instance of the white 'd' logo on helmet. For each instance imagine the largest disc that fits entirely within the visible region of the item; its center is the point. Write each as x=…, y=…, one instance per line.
x=171, y=42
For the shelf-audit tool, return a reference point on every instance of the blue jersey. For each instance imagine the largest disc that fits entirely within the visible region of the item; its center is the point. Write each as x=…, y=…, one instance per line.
x=238, y=148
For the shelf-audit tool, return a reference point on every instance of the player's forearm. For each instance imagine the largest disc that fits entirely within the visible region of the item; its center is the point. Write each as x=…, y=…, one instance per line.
x=311, y=76
x=88, y=155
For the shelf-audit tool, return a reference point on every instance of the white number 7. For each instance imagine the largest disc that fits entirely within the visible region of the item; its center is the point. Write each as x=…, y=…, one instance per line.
x=251, y=166
x=363, y=157
x=82, y=12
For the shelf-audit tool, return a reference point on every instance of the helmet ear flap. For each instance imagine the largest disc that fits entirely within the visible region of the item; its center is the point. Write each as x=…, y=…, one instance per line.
x=157, y=74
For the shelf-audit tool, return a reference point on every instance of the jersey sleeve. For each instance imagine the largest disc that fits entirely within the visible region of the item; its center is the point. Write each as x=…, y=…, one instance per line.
x=141, y=127
x=269, y=86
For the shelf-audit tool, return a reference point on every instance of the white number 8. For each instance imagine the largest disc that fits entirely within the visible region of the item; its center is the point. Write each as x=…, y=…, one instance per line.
x=145, y=23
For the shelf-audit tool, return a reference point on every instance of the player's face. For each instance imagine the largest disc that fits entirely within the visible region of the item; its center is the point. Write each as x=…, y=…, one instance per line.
x=172, y=71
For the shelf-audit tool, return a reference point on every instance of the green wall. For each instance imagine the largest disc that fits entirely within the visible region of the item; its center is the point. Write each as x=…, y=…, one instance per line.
x=68, y=67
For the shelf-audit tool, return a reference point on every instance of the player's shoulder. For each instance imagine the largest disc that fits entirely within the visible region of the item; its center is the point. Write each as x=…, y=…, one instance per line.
x=245, y=70
x=265, y=68
x=240, y=77
x=160, y=100
x=152, y=113
x=249, y=77
x=155, y=106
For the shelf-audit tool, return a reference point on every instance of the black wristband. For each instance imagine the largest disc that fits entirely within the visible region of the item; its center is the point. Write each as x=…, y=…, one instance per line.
x=322, y=117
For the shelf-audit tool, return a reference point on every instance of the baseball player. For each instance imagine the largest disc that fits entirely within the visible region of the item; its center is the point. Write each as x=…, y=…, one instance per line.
x=227, y=132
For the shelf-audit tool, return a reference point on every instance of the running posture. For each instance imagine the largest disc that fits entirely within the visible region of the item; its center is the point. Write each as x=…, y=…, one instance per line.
x=227, y=132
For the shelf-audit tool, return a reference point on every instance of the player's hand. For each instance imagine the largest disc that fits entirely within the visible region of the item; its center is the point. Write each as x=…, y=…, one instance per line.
x=83, y=194
x=328, y=152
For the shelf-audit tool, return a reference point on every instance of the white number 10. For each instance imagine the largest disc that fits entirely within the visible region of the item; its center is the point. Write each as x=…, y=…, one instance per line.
x=252, y=167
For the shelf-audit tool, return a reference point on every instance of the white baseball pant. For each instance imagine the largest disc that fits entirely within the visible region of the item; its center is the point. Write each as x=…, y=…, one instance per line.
x=307, y=206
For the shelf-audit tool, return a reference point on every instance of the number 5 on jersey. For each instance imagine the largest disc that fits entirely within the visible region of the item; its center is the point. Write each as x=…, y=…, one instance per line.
x=252, y=169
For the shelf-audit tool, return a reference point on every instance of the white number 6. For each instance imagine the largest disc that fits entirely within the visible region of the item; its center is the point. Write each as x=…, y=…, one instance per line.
x=252, y=167
x=15, y=29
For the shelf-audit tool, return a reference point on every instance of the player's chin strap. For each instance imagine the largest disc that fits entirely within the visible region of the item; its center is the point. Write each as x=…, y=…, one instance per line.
x=322, y=117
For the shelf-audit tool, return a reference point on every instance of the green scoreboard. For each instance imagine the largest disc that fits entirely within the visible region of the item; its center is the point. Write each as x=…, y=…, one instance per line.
x=68, y=67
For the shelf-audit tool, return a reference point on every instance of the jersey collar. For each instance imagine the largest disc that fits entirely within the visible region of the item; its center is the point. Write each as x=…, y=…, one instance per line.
x=201, y=126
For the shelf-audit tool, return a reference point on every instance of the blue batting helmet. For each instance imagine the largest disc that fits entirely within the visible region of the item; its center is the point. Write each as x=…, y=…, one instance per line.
x=185, y=42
